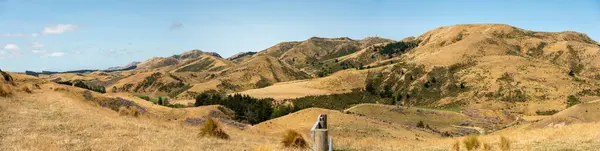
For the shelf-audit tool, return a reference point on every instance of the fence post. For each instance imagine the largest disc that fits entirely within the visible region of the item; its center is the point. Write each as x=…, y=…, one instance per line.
x=320, y=134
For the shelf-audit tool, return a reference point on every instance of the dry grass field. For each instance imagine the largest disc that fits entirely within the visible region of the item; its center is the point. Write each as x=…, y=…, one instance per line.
x=537, y=90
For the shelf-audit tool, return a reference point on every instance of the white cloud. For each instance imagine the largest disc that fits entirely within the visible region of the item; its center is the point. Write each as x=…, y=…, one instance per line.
x=60, y=28
x=35, y=35
x=57, y=54
x=12, y=47
x=37, y=45
x=38, y=51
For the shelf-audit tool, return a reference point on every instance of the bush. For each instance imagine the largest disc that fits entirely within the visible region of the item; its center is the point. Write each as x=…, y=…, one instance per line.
x=212, y=129
x=504, y=143
x=471, y=142
x=293, y=139
x=6, y=76
x=176, y=106
x=572, y=100
x=548, y=112
x=143, y=97
x=421, y=124
x=87, y=94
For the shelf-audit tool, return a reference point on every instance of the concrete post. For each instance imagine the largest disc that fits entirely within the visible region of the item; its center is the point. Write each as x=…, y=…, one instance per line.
x=321, y=140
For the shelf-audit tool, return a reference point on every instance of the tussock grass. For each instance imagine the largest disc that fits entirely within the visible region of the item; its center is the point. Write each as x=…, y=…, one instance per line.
x=504, y=143
x=26, y=89
x=293, y=139
x=5, y=91
x=487, y=147
x=212, y=129
x=129, y=111
x=456, y=146
x=472, y=142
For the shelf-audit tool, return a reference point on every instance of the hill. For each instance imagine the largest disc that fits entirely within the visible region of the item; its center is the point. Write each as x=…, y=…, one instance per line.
x=492, y=66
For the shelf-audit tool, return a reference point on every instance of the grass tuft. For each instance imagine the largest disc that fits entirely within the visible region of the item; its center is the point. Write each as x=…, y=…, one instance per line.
x=212, y=129
x=504, y=143
x=293, y=139
x=471, y=142
x=5, y=91
x=487, y=147
x=26, y=89
x=456, y=146
x=129, y=111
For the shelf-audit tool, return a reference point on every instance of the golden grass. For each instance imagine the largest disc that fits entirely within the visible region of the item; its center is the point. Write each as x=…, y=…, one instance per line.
x=472, y=142
x=293, y=139
x=5, y=90
x=487, y=147
x=456, y=146
x=212, y=129
x=263, y=148
x=129, y=111
x=26, y=89
x=504, y=143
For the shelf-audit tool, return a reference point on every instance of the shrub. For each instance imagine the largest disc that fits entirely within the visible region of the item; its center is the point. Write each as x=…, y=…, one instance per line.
x=293, y=139
x=471, y=142
x=212, y=129
x=143, y=97
x=456, y=146
x=6, y=76
x=176, y=106
x=548, y=112
x=87, y=94
x=420, y=124
x=504, y=143
x=572, y=100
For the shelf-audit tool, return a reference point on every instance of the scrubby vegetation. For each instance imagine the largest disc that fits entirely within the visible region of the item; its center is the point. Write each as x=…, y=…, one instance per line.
x=246, y=108
x=547, y=112
x=471, y=142
x=397, y=47
x=293, y=139
x=97, y=88
x=338, y=101
x=281, y=110
x=572, y=100
x=6, y=76
x=178, y=90
x=212, y=129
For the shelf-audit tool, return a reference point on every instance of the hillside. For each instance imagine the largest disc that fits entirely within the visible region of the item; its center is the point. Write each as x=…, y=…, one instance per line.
x=493, y=67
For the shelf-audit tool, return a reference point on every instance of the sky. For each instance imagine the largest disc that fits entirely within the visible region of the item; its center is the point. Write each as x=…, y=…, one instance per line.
x=62, y=35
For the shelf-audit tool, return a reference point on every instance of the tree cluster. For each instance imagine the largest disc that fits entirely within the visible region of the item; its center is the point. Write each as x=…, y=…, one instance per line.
x=246, y=108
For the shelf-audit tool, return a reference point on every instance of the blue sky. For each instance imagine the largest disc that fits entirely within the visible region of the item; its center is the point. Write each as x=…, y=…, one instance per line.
x=58, y=35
